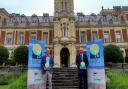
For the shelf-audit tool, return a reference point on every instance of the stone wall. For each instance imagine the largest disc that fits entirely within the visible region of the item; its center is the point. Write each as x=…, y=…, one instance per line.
x=12, y=69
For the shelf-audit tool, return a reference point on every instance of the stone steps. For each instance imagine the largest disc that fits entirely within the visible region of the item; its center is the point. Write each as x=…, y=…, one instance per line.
x=65, y=78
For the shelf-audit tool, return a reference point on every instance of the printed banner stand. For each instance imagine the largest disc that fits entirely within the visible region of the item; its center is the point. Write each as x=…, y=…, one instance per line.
x=96, y=72
x=36, y=51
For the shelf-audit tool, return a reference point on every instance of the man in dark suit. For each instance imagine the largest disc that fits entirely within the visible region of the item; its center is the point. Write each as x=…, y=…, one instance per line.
x=82, y=64
x=47, y=68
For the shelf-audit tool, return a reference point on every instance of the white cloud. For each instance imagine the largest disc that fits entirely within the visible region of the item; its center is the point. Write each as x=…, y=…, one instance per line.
x=10, y=2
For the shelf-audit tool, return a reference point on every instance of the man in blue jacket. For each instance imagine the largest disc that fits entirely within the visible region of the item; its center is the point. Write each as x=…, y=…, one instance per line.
x=82, y=64
x=47, y=68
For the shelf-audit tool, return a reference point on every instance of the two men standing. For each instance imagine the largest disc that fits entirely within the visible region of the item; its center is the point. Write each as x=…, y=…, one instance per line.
x=82, y=64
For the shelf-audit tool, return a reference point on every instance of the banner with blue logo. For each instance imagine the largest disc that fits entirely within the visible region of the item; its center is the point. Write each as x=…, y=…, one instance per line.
x=36, y=51
x=96, y=72
x=95, y=54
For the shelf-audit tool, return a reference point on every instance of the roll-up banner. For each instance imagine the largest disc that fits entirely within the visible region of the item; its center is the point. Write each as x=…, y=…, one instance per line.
x=96, y=71
x=36, y=51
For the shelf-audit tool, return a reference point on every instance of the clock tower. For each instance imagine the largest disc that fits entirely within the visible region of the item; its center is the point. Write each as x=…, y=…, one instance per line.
x=64, y=33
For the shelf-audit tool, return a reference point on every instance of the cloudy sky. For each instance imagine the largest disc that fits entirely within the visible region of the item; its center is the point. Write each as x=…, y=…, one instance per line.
x=39, y=7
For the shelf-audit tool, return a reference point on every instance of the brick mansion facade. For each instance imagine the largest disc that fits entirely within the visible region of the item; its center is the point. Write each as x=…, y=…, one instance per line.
x=64, y=32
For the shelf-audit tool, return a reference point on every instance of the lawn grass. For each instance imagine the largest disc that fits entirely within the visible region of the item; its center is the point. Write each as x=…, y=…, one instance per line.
x=14, y=81
x=6, y=79
x=118, y=80
x=3, y=86
x=20, y=83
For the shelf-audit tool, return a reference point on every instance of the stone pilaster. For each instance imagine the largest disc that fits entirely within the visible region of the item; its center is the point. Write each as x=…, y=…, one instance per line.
x=57, y=48
x=72, y=49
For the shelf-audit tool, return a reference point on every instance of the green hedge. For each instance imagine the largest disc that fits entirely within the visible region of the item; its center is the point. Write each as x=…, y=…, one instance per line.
x=4, y=54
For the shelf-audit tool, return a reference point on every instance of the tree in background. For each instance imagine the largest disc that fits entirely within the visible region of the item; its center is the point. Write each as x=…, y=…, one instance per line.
x=21, y=55
x=112, y=53
x=4, y=54
x=126, y=59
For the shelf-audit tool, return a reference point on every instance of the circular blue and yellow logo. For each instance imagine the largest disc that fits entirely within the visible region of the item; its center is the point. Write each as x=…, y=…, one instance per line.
x=82, y=64
x=37, y=49
x=94, y=49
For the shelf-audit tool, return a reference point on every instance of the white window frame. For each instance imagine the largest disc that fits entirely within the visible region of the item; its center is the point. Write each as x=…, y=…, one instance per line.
x=106, y=37
x=33, y=36
x=9, y=39
x=82, y=40
x=118, y=36
x=96, y=35
x=21, y=35
x=45, y=39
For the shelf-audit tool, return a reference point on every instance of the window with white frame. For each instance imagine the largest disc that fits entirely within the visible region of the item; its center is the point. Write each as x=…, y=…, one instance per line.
x=118, y=36
x=9, y=39
x=106, y=37
x=21, y=38
x=83, y=36
x=33, y=35
x=65, y=30
x=64, y=6
x=94, y=35
x=45, y=37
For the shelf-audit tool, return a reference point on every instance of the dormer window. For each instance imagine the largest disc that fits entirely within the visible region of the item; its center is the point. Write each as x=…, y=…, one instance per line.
x=100, y=22
x=81, y=18
x=34, y=19
x=45, y=19
x=104, y=18
x=88, y=22
x=92, y=20
x=110, y=21
x=23, y=19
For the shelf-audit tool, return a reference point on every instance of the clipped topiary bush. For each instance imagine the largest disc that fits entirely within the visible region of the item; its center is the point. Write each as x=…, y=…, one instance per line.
x=112, y=53
x=4, y=54
x=21, y=55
